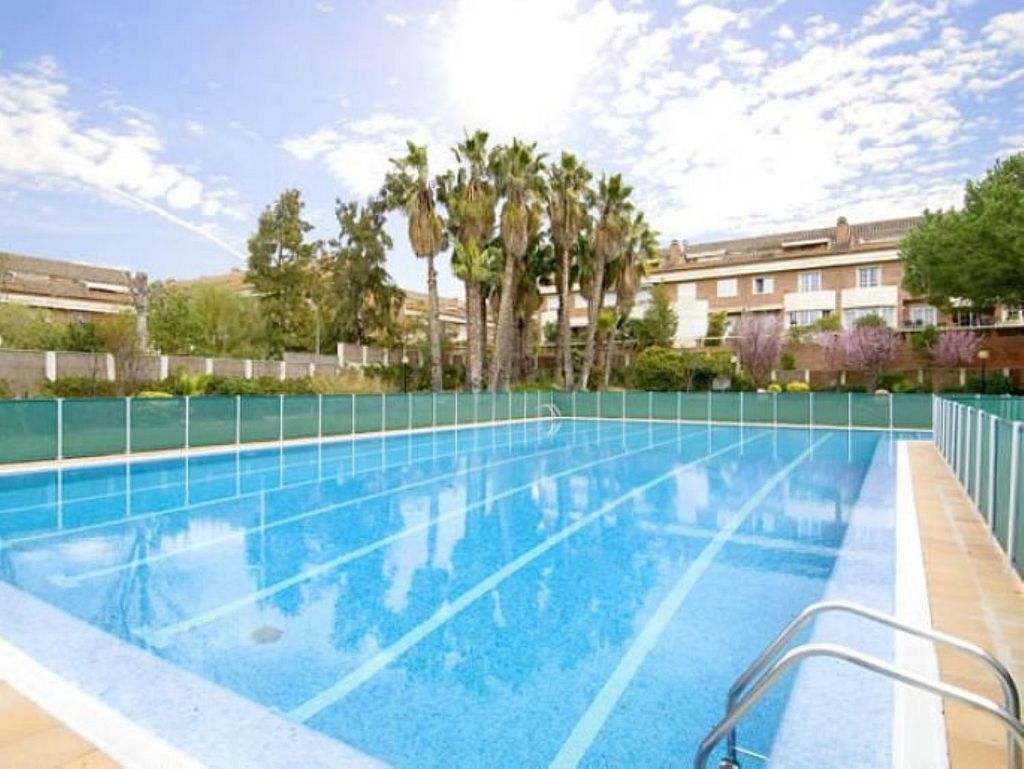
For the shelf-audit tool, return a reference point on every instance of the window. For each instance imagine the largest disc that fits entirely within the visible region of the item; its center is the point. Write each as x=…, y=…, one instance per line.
x=728, y=287
x=852, y=315
x=969, y=318
x=1013, y=316
x=806, y=317
x=763, y=285
x=810, y=281
x=869, y=277
x=581, y=302
x=923, y=315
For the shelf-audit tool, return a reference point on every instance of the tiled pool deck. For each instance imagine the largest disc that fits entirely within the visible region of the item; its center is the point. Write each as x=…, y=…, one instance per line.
x=972, y=592
x=32, y=739
x=973, y=595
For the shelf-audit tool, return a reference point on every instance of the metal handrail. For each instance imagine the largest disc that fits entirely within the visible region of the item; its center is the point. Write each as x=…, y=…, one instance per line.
x=555, y=411
x=1011, y=697
x=794, y=656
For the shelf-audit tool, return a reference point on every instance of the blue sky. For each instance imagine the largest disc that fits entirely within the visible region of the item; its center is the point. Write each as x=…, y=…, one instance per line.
x=150, y=135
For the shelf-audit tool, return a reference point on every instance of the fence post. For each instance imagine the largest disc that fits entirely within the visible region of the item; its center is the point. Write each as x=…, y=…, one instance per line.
x=238, y=419
x=51, y=365
x=598, y=404
x=383, y=412
x=457, y=408
x=433, y=410
x=60, y=428
x=849, y=411
x=352, y=423
x=188, y=419
x=1011, y=536
x=709, y=407
x=408, y=410
x=990, y=507
x=650, y=406
x=128, y=424
x=573, y=404
x=741, y=408
x=775, y=409
x=280, y=417
x=320, y=416
x=679, y=406
x=890, y=411
x=977, y=457
x=810, y=409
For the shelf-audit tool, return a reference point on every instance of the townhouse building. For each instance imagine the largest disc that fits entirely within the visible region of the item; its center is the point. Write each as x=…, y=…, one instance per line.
x=848, y=271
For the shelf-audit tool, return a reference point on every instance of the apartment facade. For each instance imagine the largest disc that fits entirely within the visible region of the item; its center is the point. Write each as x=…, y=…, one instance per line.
x=71, y=290
x=847, y=271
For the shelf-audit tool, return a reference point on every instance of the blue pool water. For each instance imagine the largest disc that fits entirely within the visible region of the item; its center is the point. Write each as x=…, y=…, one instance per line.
x=543, y=593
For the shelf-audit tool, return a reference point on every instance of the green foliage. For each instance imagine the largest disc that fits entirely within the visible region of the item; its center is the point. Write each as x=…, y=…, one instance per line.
x=79, y=387
x=119, y=335
x=5, y=389
x=282, y=272
x=716, y=329
x=993, y=384
x=26, y=328
x=657, y=327
x=774, y=387
x=661, y=369
x=174, y=325
x=658, y=369
x=364, y=300
x=798, y=387
x=924, y=340
x=787, y=360
x=976, y=253
x=871, y=320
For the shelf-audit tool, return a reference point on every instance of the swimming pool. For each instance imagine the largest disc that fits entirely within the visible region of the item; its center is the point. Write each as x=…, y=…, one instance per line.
x=552, y=592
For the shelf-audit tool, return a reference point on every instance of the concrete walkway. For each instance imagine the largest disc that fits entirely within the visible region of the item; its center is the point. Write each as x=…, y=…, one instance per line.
x=974, y=595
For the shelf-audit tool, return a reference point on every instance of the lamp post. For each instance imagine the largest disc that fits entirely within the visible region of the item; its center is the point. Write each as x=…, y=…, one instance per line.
x=983, y=357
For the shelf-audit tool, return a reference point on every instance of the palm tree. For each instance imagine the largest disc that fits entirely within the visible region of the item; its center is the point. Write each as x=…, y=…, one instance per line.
x=567, y=213
x=517, y=174
x=611, y=236
x=538, y=267
x=409, y=187
x=641, y=250
x=469, y=197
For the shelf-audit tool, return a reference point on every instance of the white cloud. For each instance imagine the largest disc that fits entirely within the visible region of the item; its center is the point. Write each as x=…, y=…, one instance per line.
x=785, y=32
x=706, y=21
x=500, y=80
x=44, y=142
x=396, y=19
x=323, y=7
x=195, y=127
x=357, y=152
x=1007, y=30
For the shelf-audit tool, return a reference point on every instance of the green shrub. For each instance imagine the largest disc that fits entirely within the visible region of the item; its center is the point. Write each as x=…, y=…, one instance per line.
x=994, y=384
x=787, y=361
x=798, y=387
x=80, y=387
x=5, y=389
x=659, y=369
x=774, y=387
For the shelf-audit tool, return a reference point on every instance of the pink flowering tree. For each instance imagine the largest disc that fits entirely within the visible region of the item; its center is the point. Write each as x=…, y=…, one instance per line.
x=871, y=348
x=759, y=345
x=955, y=349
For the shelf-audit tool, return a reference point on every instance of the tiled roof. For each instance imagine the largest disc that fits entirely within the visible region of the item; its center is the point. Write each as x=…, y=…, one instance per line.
x=68, y=280
x=792, y=243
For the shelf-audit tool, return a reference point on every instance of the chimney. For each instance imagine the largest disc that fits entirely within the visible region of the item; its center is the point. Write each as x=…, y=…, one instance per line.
x=675, y=253
x=843, y=234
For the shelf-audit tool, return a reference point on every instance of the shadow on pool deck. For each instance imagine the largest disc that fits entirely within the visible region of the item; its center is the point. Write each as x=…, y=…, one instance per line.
x=975, y=595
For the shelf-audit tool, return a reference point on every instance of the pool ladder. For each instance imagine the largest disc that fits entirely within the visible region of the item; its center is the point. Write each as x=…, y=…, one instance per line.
x=769, y=667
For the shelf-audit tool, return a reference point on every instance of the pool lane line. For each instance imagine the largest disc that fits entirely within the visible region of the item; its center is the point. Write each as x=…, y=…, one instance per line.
x=232, y=450
x=65, y=581
x=160, y=637
x=449, y=611
x=601, y=707
x=4, y=544
x=520, y=441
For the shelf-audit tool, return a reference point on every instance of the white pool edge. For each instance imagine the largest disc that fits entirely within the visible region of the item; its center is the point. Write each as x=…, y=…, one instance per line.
x=918, y=724
x=117, y=736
